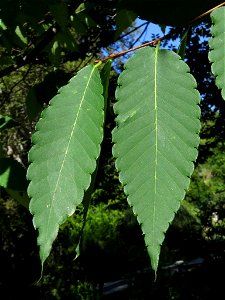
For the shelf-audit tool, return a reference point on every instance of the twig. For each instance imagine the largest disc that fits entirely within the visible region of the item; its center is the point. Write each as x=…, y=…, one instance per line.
x=114, y=55
x=133, y=30
x=206, y=13
x=154, y=42
x=140, y=36
x=22, y=79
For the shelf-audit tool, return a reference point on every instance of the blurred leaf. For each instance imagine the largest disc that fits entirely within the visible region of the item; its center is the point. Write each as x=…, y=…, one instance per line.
x=82, y=22
x=182, y=48
x=2, y=25
x=6, y=122
x=2, y=154
x=20, y=196
x=124, y=19
x=59, y=11
x=54, y=53
x=105, y=74
x=33, y=106
x=163, y=28
x=12, y=175
x=20, y=35
x=85, y=6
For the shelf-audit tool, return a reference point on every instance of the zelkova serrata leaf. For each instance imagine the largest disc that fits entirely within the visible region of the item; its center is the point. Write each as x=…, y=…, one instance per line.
x=217, y=47
x=66, y=146
x=156, y=138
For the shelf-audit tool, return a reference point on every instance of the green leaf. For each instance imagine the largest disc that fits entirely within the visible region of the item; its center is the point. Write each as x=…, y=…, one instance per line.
x=54, y=53
x=183, y=43
x=21, y=35
x=67, y=41
x=124, y=19
x=61, y=42
x=217, y=47
x=84, y=7
x=105, y=74
x=6, y=122
x=156, y=138
x=82, y=22
x=66, y=146
x=12, y=174
x=20, y=196
x=2, y=25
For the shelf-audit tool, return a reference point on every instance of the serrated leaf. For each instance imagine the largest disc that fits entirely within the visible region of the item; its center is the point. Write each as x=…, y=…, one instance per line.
x=217, y=47
x=66, y=146
x=156, y=138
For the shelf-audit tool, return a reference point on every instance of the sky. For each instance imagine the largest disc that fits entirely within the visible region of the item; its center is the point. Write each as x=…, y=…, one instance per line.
x=152, y=29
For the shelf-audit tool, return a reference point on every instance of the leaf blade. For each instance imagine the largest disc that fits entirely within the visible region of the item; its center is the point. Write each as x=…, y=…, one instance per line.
x=217, y=47
x=155, y=139
x=64, y=154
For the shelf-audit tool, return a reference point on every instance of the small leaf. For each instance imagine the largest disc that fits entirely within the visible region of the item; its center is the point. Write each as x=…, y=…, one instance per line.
x=163, y=28
x=2, y=25
x=54, y=53
x=20, y=35
x=183, y=43
x=156, y=138
x=6, y=122
x=217, y=47
x=66, y=146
